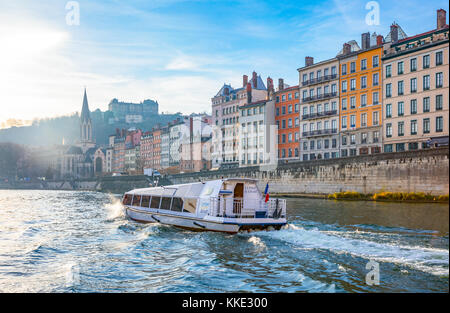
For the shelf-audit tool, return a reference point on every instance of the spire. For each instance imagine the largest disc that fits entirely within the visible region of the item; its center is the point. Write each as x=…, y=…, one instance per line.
x=85, y=115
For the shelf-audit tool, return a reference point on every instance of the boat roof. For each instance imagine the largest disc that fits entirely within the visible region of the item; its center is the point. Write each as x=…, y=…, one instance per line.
x=209, y=188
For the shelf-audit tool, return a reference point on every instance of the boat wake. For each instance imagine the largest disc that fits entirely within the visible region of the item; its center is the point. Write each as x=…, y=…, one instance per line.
x=431, y=260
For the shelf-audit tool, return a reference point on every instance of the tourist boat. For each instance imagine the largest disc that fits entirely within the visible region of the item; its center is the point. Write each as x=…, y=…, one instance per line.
x=225, y=205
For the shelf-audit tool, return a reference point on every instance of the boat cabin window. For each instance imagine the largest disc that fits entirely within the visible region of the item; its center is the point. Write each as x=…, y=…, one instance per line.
x=177, y=204
x=189, y=205
x=155, y=202
x=127, y=199
x=145, y=201
x=165, y=203
x=136, y=200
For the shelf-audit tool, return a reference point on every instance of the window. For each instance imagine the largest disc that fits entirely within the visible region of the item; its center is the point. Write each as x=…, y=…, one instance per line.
x=388, y=90
x=413, y=106
x=388, y=130
x=399, y=147
x=438, y=102
x=439, y=125
x=352, y=84
x=388, y=71
x=375, y=98
x=127, y=199
x=401, y=130
x=352, y=120
x=364, y=138
x=352, y=139
x=344, y=104
x=136, y=200
x=400, y=68
x=388, y=110
x=376, y=136
x=344, y=122
x=305, y=78
x=413, y=127
x=177, y=204
x=439, y=80
x=363, y=64
x=352, y=67
x=344, y=86
x=388, y=148
x=439, y=58
x=344, y=69
x=426, y=104
x=400, y=108
x=363, y=100
x=352, y=102
x=154, y=204
x=375, y=79
x=375, y=61
x=413, y=65
x=426, y=82
x=145, y=201
x=333, y=70
x=375, y=118
x=283, y=110
x=344, y=140
x=426, y=125
x=363, y=119
x=413, y=84
x=426, y=61
x=283, y=98
x=400, y=88
x=363, y=82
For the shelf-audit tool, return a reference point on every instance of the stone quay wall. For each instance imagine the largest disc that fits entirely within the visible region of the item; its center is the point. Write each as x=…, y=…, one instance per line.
x=410, y=171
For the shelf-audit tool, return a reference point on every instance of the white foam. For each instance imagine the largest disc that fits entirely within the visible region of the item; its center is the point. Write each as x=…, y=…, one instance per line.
x=431, y=260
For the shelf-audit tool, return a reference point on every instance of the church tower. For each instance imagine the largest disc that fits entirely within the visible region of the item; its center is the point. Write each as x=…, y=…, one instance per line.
x=86, y=141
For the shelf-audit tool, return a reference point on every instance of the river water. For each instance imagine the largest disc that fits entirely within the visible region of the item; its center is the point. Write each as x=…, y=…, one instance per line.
x=66, y=241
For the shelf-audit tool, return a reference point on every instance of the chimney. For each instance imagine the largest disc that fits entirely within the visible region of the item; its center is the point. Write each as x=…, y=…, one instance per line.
x=280, y=84
x=249, y=93
x=244, y=80
x=365, y=41
x=441, y=18
x=394, y=33
x=226, y=91
x=269, y=87
x=346, y=49
x=380, y=40
x=309, y=61
x=254, y=79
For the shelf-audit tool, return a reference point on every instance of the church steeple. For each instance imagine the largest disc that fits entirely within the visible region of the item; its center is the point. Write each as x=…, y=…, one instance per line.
x=85, y=122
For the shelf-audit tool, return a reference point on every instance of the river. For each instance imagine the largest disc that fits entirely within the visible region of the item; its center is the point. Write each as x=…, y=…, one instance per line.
x=71, y=241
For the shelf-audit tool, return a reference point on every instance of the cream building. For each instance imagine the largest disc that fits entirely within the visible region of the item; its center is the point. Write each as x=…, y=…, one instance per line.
x=416, y=90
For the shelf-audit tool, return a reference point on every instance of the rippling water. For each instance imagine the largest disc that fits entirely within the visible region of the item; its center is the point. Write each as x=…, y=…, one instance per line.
x=64, y=241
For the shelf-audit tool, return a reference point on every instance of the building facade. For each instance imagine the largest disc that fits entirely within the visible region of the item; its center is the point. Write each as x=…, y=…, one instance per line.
x=319, y=109
x=225, y=112
x=360, y=97
x=287, y=118
x=416, y=89
x=258, y=133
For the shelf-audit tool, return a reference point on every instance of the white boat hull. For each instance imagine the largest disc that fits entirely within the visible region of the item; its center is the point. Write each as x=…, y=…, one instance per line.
x=201, y=224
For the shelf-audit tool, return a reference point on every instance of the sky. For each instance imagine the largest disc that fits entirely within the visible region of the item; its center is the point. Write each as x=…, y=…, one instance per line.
x=177, y=52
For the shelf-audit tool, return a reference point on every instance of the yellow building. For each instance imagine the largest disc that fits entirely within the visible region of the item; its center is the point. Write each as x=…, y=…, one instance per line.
x=360, y=75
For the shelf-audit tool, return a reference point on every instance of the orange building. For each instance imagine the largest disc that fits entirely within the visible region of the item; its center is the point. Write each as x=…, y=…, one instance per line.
x=360, y=97
x=287, y=118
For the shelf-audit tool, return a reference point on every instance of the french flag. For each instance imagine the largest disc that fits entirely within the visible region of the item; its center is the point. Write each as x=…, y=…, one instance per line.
x=266, y=193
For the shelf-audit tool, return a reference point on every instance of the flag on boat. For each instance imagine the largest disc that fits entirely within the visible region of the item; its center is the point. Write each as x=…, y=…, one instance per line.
x=266, y=193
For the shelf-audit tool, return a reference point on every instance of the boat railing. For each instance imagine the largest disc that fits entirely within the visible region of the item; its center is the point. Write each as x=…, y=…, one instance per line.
x=248, y=208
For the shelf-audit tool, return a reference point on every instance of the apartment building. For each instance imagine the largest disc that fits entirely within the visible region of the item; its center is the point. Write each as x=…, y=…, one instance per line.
x=360, y=97
x=416, y=89
x=319, y=109
x=287, y=108
x=225, y=111
x=257, y=133
x=165, y=151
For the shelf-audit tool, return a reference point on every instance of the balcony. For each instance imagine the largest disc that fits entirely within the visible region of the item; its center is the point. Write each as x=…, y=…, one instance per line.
x=319, y=114
x=320, y=97
x=318, y=80
x=320, y=132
